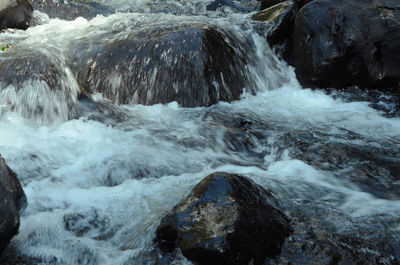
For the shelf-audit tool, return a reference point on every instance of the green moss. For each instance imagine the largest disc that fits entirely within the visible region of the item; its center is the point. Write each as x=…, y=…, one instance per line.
x=272, y=13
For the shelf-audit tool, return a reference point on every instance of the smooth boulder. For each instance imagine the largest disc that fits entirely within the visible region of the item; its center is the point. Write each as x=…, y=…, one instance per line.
x=348, y=42
x=193, y=64
x=15, y=14
x=226, y=219
x=12, y=202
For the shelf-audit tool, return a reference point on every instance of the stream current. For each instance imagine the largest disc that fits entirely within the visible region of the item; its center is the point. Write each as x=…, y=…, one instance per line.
x=98, y=181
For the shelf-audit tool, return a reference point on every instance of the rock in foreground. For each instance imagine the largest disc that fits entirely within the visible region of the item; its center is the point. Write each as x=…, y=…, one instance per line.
x=15, y=14
x=12, y=201
x=226, y=219
x=195, y=65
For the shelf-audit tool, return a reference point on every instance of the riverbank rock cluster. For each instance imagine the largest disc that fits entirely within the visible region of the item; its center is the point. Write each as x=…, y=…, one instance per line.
x=338, y=43
x=332, y=44
x=226, y=219
x=12, y=202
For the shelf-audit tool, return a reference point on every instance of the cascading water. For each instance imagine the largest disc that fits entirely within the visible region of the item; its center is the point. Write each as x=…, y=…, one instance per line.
x=99, y=176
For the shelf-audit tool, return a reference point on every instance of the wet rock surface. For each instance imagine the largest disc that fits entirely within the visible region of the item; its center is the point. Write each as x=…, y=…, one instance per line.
x=70, y=9
x=280, y=17
x=226, y=219
x=15, y=14
x=343, y=43
x=195, y=65
x=34, y=66
x=244, y=6
x=36, y=85
x=12, y=202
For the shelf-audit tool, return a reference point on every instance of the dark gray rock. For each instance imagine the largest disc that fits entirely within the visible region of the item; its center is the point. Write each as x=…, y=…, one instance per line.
x=12, y=202
x=195, y=65
x=72, y=9
x=226, y=219
x=15, y=14
x=348, y=42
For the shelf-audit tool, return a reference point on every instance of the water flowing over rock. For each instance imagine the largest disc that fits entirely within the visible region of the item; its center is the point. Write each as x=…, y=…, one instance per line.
x=15, y=14
x=240, y=6
x=12, y=202
x=343, y=43
x=37, y=86
x=193, y=64
x=226, y=219
x=71, y=9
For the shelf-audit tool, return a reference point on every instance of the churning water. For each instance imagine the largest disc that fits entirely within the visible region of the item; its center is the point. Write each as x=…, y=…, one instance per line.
x=99, y=180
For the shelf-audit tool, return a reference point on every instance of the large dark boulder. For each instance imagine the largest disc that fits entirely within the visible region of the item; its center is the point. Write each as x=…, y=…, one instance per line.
x=71, y=9
x=348, y=42
x=193, y=64
x=226, y=219
x=15, y=14
x=12, y=201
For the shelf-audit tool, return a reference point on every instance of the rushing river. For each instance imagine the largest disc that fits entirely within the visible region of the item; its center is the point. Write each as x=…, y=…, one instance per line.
x=98, y=181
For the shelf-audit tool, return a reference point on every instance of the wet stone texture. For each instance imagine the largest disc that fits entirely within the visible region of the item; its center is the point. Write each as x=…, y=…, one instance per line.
x=344, y=43
x=15, y=14
x=37, y=85
x=226, y=219
x=12, y=201
x=195, y=65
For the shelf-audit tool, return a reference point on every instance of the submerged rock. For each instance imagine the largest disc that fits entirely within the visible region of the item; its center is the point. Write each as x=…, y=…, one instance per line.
x=12, y=202
x=226, y=219
x=240, y=6
x=15, y=14
x=348, y=42
x=71, y=9
x=195, y=65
